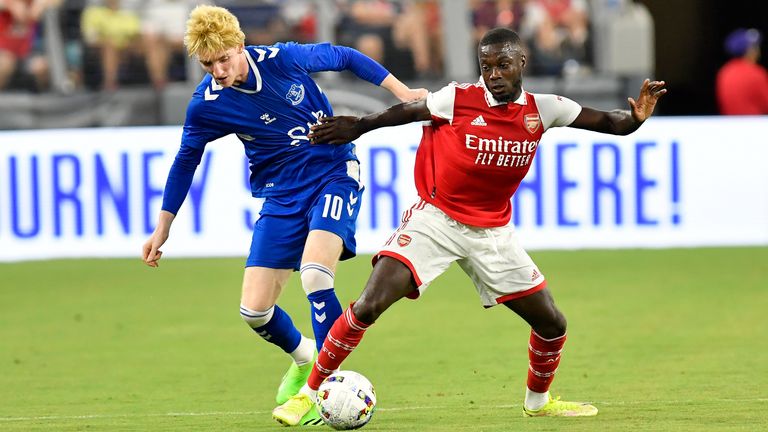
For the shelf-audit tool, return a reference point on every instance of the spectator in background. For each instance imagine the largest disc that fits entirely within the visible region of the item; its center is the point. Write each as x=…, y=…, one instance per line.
x=110, y=26
x=385, y=30
x=18, y=31
x=162, y=31
x=742, y=83
x=489, y=14
x=557, y=32
x=301, y=17
x=261, y=21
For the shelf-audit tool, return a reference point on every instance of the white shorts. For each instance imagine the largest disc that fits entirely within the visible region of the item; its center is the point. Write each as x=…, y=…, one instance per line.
x=428, y=241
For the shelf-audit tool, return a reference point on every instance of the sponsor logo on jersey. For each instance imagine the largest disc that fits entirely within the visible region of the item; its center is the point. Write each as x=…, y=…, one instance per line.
x=532, y=122
x=479, y=121
x=501, y=152
x=404, y=240
x=535, y=275
x=295, y=94
x=299, y=133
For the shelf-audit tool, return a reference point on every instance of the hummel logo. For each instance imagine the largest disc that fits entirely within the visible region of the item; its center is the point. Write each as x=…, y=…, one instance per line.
x=351, y=204
x=262, y=53
x=479, y=121
x=267, y=119
x=214, y=87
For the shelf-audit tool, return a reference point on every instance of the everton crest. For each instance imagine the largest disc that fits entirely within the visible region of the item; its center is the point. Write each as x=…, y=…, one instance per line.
x=295, y=94
x=532, y=122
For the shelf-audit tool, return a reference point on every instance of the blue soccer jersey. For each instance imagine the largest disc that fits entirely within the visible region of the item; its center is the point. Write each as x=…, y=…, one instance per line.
x=271, y=114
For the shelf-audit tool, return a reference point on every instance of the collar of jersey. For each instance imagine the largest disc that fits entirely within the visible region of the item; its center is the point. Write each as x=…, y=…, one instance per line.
x=256, y=75
x=492, y=100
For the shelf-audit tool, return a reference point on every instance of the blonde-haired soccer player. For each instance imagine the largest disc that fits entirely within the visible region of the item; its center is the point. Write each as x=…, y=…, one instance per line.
x=266, y=96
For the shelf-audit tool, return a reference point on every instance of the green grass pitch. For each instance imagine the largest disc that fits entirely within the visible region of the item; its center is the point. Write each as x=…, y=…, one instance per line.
x=659, y=340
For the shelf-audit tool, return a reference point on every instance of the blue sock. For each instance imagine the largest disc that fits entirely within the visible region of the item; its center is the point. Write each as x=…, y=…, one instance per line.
x=279, y=330
x=325, y=309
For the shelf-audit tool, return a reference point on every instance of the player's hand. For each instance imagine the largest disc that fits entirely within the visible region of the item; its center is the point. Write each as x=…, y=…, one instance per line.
x=335, y=130
x=151, y=252
x=412, y=95
x=650, y=92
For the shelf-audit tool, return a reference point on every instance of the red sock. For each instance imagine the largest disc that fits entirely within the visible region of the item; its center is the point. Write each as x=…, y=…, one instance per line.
x=344, y=336
x=543, y=356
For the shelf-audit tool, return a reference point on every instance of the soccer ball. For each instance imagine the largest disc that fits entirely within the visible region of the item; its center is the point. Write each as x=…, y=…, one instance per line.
x=346, y=400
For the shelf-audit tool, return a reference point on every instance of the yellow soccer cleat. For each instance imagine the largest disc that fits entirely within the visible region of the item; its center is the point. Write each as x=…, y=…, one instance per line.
x=291, y=412
x=557, y=408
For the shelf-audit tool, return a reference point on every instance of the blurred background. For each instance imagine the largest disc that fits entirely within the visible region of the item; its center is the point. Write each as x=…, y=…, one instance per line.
x=86, y=63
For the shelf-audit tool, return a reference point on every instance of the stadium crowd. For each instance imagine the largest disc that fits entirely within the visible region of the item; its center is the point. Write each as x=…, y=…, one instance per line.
x=108, y=44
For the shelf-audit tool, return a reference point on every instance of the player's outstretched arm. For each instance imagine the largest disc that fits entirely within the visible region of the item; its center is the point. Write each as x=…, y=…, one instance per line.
x=402, y=91
x=151, y=252
x=344, y=129
x=623, y=122
x=327, y=57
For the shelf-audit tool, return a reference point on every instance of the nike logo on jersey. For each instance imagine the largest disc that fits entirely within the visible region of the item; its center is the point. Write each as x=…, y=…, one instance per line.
x=479, y=121
x=214, y=87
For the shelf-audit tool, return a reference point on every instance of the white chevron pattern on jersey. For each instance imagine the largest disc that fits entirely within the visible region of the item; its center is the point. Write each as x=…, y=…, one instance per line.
x=262, y=53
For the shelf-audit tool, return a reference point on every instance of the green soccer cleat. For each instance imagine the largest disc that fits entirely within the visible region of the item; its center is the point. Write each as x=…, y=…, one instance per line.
x=312, y=418
x=293, y=380
x=294, y=410
x=557, y=408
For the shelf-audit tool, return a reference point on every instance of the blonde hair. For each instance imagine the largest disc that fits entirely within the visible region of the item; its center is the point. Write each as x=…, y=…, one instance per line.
x=211, y=30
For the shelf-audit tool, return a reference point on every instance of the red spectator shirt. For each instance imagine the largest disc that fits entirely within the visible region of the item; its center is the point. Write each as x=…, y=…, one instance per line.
x=476, y=150
x=16, y=37
x=742, y=88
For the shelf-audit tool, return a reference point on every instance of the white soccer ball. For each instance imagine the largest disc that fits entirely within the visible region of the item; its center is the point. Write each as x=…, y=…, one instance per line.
x=346, y=400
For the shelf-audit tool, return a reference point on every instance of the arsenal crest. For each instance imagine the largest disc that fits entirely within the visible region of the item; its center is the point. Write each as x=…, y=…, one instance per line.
x=404, y=240
x=532, y=122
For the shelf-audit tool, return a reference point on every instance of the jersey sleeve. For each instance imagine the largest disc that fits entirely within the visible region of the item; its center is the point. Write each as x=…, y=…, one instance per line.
x=556, y=110
x=199, y=129
x=322, y=57
x=440, y=103
x=194, y=138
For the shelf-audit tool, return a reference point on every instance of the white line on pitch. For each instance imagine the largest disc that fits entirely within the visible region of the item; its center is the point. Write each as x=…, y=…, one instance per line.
x=413, y=408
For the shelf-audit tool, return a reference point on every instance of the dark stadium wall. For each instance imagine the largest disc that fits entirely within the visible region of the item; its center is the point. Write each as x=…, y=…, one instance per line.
x=689, y=47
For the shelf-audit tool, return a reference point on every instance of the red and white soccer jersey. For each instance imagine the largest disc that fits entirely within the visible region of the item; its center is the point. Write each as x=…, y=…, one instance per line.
x=471, y=160
x=476, y=151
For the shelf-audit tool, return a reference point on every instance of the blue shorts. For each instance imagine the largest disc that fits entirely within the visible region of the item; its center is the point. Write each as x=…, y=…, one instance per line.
x=284, y=223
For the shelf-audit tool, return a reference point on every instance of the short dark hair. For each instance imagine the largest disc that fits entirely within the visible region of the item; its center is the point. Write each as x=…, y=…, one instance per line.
x=500, y=35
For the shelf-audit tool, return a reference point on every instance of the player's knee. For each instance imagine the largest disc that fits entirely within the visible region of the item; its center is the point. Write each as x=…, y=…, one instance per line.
x=553, y=327
x=372, y=303
x=316, y=277
x=366, y=310
x=254, y=318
